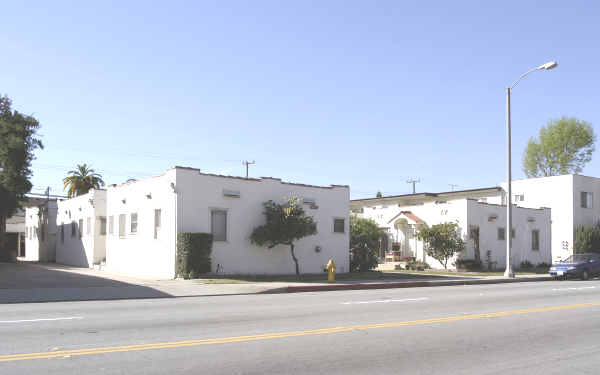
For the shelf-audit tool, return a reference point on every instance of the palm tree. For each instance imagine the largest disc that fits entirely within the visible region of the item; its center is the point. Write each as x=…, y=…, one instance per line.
x=81, y=180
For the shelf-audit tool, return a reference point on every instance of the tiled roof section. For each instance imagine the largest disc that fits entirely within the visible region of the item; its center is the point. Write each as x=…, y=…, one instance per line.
x=409, y=215
x=422, y=195
x=412, y=216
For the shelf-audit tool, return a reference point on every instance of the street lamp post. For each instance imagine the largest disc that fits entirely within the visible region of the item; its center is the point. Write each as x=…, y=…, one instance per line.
x=508, y=232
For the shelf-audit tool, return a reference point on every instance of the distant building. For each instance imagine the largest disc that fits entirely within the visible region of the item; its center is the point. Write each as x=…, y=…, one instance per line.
x=481, y=224
x=40, y=232
x=81, y=229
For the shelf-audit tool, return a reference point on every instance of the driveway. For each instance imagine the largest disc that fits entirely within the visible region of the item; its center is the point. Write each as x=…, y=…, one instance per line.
x=38, y=282
x=48, y=282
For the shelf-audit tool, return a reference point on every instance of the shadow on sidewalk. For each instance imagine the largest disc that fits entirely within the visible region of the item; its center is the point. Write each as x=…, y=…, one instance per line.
x=35, y=282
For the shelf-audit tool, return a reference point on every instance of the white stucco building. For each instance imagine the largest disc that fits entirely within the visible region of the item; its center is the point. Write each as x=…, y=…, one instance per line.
x=571, y=198
x=81, y=229
x=40, y=232
x=145, y=215
x=481, y=224
x=15, y=234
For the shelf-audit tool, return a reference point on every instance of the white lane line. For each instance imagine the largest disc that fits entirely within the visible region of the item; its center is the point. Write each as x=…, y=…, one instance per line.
x=385, y=301
x=41, y=320
x=580, y=288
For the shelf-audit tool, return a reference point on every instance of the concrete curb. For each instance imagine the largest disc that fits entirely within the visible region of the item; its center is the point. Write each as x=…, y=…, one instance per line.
x=408, y=284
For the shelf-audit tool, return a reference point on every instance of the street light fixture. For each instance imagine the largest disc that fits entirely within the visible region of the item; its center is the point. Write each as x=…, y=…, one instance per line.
x=547, y=66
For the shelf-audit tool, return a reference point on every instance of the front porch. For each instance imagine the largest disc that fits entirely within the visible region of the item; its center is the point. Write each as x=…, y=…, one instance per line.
x=400, y=242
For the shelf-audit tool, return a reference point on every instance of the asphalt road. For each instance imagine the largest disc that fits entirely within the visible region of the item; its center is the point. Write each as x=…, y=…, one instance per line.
x=524, y=328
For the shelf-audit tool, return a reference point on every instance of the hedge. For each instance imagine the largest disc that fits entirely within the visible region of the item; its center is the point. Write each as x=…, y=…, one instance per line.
x=193, y=254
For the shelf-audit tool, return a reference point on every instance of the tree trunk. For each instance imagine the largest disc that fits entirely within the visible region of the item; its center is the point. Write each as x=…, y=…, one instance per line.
x=295, y=259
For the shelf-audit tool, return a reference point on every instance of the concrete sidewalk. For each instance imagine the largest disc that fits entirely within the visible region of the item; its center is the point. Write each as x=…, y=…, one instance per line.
x=36, y=282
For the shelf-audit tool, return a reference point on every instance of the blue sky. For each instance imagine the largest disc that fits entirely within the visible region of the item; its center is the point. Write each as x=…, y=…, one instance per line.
x=366, y=93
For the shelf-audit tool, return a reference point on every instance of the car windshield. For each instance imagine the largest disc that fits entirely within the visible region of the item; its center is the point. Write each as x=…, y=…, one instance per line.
x=578, y=258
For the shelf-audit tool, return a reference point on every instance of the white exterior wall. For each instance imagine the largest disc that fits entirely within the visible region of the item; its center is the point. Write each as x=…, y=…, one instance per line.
x=89, y=248
x=140, y=254
x=198, y=194
x=467, y=213
x=38, y=248
x=559, y=194
x=524, y=222
x=589, y=216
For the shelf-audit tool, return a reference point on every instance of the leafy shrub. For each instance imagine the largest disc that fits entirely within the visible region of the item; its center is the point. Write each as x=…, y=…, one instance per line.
x=526, y=265
x=543, y=265
x=442, y=241
x=193, y=254
x=468, y=264
x=364, y=242
x=417, y=265
x=587, y=239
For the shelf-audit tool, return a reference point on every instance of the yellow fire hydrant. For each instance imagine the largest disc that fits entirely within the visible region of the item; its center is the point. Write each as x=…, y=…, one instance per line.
x=330, y=271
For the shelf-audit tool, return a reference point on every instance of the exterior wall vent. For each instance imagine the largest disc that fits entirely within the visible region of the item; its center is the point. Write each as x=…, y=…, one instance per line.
x=310, y=201
x=530, y=220
x=493, y=217
x=231, y=193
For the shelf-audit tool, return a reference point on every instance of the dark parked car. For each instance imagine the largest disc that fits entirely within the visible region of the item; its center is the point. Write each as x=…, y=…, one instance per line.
x=582, y=266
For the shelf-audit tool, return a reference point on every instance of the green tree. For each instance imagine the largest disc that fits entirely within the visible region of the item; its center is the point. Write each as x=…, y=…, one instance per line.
x=17, y=144
x=82, y=180
x=442, y=241
x=564, y=146
x=378, y=195
x=587, y=239
x=286, y=223
x=364, y=244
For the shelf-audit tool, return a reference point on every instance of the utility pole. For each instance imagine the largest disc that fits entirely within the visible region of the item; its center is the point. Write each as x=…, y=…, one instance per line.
x=413, y=182
x=453, y=186
x=247, y=163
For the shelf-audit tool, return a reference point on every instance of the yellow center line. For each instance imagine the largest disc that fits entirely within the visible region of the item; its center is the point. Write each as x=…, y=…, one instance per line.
x=269, y=336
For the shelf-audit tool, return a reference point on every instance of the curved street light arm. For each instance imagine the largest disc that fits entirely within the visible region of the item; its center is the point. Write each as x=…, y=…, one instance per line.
x=523, y=76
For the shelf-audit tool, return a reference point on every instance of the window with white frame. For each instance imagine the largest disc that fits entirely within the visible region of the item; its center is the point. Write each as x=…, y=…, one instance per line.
x=73, y=229
x=501, y=234
x=157, y=224
x=134, y=223
x=587, y=199
x=102, y=226
x=111, y=224
x=218, y=225
x=80, y=227
x=122, y=225
x=338, y=225
x=535, y=240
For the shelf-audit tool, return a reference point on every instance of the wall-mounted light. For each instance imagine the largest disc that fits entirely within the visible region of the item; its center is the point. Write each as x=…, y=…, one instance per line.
x=173, y=187
x=149, y=195
x=318, y=249
x=91, y=202
x=124, y=200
